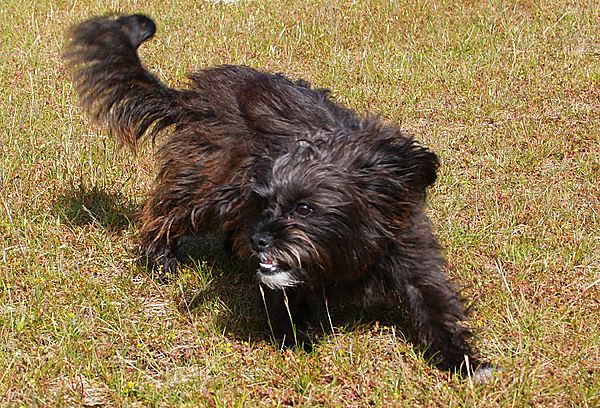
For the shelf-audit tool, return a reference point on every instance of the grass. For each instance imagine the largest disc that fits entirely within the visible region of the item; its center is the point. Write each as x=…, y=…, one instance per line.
x=507, y=93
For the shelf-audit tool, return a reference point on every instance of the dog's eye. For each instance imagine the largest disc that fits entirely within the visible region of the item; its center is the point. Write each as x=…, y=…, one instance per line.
x=303, y=209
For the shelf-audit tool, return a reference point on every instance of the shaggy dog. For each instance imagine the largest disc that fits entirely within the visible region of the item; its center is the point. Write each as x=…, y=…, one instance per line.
x=329, y=203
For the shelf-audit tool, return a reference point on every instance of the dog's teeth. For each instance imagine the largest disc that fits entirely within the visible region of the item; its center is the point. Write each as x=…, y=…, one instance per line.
x=267, y=266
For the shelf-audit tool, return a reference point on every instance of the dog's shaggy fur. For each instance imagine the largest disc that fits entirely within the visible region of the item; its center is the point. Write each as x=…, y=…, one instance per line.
x=329, y=203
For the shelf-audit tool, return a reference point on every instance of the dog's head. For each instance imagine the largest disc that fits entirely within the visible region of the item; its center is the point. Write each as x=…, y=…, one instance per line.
x=330, y=207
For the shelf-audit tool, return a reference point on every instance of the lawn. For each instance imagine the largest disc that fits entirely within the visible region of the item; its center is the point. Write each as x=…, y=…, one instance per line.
x=507, y=93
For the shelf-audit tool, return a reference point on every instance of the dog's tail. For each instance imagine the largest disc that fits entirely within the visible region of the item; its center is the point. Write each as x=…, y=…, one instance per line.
x=112, y=84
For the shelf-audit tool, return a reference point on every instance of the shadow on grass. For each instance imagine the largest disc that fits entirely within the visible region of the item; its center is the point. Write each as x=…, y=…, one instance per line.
x=231, y=282
x=224, y=281
x=93, y=206
x=218, y=278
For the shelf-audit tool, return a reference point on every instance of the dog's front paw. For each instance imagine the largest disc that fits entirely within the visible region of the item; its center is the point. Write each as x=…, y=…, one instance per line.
x=163, y=267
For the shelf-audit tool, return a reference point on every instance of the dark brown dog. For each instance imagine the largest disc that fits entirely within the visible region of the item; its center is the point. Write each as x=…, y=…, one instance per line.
x=326, y=201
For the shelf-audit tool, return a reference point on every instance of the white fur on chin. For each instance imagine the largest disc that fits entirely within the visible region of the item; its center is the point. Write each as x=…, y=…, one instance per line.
x=278, y=280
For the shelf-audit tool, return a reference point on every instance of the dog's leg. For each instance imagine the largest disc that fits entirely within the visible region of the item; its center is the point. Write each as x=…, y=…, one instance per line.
x=167, y=215
x=288, y=314
x=437, y=311
x=438, y=315
x=228, y=242
x=159, y=232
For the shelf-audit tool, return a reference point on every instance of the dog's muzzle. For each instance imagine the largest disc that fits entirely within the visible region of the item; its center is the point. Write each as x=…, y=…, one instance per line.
x=272, y=273
x=276, y=275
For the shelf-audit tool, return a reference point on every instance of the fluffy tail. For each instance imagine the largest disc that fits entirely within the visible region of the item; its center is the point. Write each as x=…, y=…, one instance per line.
x=112, y=84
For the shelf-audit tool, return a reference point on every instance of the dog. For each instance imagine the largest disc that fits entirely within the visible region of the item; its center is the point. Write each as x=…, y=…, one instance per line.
x=329, y=203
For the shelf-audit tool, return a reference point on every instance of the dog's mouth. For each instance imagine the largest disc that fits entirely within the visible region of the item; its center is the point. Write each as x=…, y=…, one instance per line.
x=269, y=265
x=277, y=275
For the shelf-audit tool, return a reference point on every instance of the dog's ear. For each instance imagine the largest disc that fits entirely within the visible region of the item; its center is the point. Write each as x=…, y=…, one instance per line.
x=413, y=163
x=396, y=166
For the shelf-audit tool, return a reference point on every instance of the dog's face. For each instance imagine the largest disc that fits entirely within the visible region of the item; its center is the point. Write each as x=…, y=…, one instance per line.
x=308, y=222
x=326, y=212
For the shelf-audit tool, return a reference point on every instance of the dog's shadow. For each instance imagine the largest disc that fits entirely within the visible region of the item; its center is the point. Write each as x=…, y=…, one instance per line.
x=82, y=206
x=219, y=284
x=214, y=280
x=217, y=280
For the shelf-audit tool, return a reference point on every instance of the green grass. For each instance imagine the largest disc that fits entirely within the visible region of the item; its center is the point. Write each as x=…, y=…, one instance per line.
x=507, y=93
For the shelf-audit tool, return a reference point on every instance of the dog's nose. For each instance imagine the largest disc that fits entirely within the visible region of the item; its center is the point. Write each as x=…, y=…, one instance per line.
x=261, y=241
